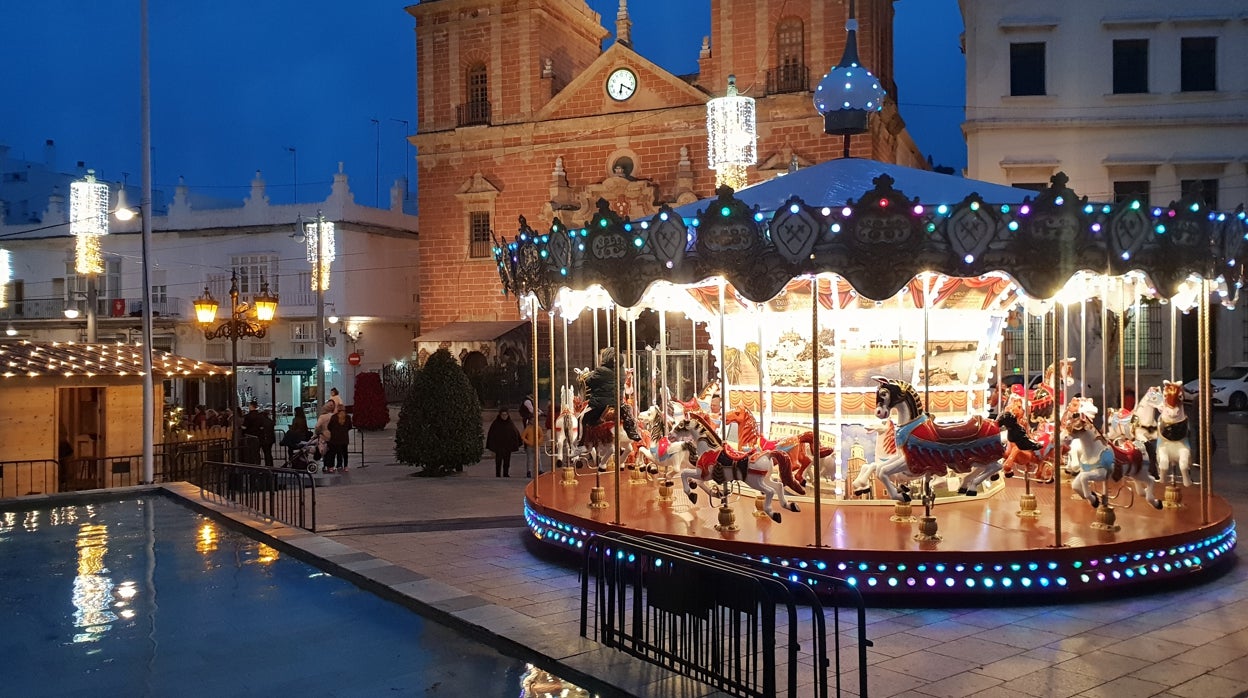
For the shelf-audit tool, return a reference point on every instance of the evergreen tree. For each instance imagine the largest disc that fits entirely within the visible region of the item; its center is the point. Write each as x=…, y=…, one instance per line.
x=440, y=424
x=369, y=410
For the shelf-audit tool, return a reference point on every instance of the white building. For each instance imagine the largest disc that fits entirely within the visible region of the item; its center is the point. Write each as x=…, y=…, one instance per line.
x=371, y=296
x=1142, y=100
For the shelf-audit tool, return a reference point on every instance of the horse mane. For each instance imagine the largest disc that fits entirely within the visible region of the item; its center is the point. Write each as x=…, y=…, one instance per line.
x=747, y=427
x=907, y=392
x=704, y=424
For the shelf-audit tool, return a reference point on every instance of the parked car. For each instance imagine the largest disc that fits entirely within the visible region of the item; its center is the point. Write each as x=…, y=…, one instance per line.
x=1230, y=387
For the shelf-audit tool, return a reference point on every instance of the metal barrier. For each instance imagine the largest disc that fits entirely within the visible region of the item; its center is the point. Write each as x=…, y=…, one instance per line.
x=172, y=461
x=281, y=494
x=19, y=478
x=356, y=445
x=713, y=619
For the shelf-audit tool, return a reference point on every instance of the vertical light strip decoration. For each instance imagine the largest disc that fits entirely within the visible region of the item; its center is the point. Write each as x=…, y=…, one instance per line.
x=6, y=275
x=731, y=136
x=320, y=246
x=88, y=222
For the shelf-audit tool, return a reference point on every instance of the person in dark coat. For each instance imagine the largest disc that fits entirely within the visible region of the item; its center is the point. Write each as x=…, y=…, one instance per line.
x=600, y=394
x=503, y=439
x=257, y=423
x=339, y=427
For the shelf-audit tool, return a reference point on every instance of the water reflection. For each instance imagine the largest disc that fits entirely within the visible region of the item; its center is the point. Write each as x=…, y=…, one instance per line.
x=539, y=683
x=206, y=541
x=92, y=595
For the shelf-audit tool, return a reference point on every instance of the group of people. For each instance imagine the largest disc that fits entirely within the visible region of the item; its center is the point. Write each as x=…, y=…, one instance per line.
x=331, y=431
x=205, y=417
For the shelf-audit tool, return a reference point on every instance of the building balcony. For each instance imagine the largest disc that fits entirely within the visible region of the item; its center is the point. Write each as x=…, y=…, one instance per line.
x=788, y=78
x=475, y=113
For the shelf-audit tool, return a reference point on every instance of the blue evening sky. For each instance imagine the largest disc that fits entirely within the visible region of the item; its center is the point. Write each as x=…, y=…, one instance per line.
x=235, y=83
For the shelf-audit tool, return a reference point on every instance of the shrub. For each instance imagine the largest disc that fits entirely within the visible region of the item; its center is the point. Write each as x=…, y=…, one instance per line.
x=439, y=426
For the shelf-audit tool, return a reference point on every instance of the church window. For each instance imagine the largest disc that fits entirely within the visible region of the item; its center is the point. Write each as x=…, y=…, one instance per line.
x=790, y=74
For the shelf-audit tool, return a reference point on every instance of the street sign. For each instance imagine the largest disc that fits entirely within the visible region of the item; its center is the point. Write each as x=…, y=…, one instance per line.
x=353, y=358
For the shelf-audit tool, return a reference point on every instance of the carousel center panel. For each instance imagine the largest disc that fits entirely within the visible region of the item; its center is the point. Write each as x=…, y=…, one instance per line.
x=984, y=546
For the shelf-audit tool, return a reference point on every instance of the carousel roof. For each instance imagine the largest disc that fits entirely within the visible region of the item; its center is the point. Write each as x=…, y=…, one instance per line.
x=879, y=240
x=835, y=182
x=33, y=360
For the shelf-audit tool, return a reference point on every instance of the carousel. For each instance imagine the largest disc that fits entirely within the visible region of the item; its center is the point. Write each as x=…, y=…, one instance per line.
x=853, y=421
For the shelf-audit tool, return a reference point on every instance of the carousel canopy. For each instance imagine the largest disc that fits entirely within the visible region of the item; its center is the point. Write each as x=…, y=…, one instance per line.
x=892, y=231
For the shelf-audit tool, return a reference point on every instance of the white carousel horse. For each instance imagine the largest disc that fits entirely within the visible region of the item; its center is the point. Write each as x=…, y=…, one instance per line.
x=1144, y=422
x=973, y=448
x=718, y=464
x=1173, y=446
x=885, y=448
x=567, y=425
x=1099, y=458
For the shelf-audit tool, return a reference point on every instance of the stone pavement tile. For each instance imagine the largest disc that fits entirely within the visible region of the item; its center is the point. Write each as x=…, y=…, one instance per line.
x=997, y=691
x=901, y=644
x=1082, y=644
x=1224, y=621
x=496, y=619
x=1164, y=617
x=996, y=617
x=975, y=649
x=392, y=575
x=627, y=673
x=1103, y=665
x=881, y=682
x=1104, y=612
x=1018, y=636
x=679, y=687
x=1058, y=622
x=926, y=617
x=1208, y=686
x=946, y=630
x=1124, y=687
x=368, y=563
x=1052, y=683
x=1238, y=640
x=1126, y=628
x=1148, y=647
x=1211, y=655
x=880, y=629
x=430, y=591
x=1011, y=668
x=1188, y=634
x=929, y=665
x=1170, y=672
x=959, y=685
x=1237, y=669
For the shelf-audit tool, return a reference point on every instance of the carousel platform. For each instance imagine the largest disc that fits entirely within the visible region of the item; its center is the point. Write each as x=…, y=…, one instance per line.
x=985, y=548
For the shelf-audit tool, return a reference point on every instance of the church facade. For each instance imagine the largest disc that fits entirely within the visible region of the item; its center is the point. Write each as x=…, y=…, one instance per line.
x=521, y=112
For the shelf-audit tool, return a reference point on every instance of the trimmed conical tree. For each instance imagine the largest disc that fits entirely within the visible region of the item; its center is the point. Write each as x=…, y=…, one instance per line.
x=439, y=427
x=369, y=410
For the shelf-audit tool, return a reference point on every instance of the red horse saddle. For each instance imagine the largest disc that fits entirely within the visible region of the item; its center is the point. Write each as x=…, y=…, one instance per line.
x=969, y=430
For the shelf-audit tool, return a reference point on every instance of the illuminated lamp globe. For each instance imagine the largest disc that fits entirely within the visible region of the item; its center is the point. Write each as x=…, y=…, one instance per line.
x=71, y=313
x=206, y=308
x=265, y=304
x=124, y=214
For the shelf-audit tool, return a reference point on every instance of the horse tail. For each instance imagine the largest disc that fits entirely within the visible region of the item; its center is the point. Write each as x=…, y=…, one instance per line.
x=786, y=471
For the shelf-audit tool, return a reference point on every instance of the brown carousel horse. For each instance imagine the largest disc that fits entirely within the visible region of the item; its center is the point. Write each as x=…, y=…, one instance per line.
x=1038, y=463
x=1042, y=399
x=751, y=441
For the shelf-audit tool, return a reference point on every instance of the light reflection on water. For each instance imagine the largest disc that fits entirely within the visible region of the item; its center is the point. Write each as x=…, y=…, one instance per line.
x=93, y=589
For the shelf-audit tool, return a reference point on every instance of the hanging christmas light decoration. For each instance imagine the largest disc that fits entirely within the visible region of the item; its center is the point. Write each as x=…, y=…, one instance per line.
x=848, y=93
x=732, y=136
x=88, y=222
x=6, y=275
x=320, y=246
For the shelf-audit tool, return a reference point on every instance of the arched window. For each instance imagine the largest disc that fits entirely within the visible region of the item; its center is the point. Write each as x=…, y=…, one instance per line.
x=476, y=107
x=790, y=73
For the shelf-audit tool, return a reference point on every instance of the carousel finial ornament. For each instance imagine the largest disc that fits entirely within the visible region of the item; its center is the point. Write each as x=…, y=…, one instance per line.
x=848, y=93
x=731, y=136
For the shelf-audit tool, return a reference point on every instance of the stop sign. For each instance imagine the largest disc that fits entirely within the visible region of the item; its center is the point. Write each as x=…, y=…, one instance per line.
x=353, y=358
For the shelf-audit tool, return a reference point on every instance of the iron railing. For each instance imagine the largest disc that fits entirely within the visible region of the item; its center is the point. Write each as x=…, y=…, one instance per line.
x=711, y=616
x=280, y=494
x=474, y=113
x=19, y=478
x=173, y=461
x=788, y=78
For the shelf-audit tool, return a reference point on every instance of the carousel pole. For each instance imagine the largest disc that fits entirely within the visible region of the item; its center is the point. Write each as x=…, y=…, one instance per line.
x=1174, y=336
x=567, y=371
x=551, y=407
x=663, y=393
x=693, y=352
x=1122, y=344
x=1083, y=341
x=759, y=326
x=619, y=411
x=1135, y=341
x=723, y=368
x=927, y=367
x=1057, y=435
x=1027, y=503
x=1206, y=405
x=816, y=445
x=594, y=358
x=536, y=462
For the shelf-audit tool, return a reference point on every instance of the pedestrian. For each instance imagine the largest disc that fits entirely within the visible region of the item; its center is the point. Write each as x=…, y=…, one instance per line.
x=335, y=398
x=258, y=424
x=297, y=433
x=503, y=440
x=199, y=420
x=339, y=428
x=321, y=432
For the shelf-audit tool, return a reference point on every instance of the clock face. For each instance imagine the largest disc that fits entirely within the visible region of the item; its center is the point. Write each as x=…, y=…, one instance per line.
x=621, y=84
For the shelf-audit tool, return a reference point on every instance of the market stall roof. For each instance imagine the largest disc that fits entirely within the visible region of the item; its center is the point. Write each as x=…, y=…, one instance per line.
x=25, y=359
x=835, y=182
x=485, y=330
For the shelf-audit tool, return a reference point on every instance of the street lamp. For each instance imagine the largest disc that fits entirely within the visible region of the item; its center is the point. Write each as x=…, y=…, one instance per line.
x=238, y=326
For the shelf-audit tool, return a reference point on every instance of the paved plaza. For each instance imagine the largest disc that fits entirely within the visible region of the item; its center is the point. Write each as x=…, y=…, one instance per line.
x=458, y=548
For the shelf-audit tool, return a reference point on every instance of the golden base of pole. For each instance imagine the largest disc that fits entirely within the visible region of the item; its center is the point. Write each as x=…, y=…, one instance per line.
x=927, y=530
x=1105, y=518
x=1173, y=498
x=665, y=490
x=569, y=476
x=727, y=519
x=1027, y=505
x=598, y=497
x=902, y=513
x=636, y=477
x=758, y=507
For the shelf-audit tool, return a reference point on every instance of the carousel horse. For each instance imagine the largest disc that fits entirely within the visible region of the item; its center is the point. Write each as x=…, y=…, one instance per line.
x=1099, y=457
x=1042, y=399
x=700, y=403
x=802, y=458
x=1035, y=463
x=641, y=454
x=719, y=464
x=602, y=444
x=926, y=448
x=885, y=448
x=749, y=440
x=567, y=425
x=1173, y=446
x=1144, y=422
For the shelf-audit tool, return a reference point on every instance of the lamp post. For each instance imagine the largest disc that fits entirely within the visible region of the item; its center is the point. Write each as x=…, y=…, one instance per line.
x=237, y=327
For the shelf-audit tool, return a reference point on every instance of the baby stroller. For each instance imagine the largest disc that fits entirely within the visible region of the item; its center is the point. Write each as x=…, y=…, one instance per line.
x=306, y=456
